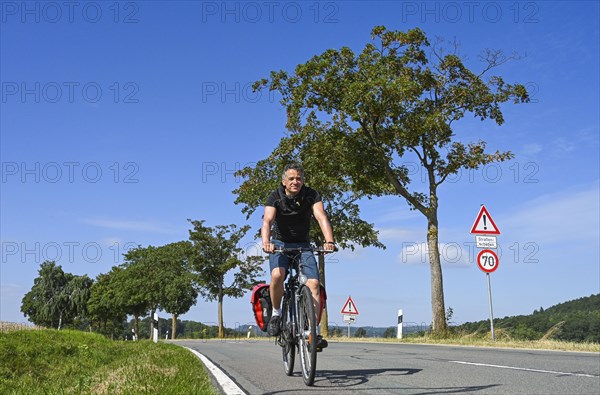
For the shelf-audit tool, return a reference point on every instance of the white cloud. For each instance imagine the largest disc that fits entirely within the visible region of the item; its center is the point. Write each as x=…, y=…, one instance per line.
x=10, y=290
x=145, y=226
x=397, y=215
x=109, y=241
x=563, y=145
x=568, y=215
x=392, y=235
x=585, y=137
x=531, y=149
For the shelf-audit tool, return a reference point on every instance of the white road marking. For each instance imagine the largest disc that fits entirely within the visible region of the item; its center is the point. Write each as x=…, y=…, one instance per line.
x=228, y=386
x=526, y=369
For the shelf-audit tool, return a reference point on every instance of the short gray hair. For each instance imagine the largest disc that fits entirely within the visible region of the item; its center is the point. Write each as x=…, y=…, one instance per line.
x=293, y=166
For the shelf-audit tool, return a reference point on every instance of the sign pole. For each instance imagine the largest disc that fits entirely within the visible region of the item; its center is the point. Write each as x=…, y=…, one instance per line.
x=155, y=334
x=400, y=319
x=487, y=260
x=491, y=310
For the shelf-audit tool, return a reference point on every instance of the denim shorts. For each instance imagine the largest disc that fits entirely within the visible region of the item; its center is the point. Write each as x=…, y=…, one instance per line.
x=309, y=263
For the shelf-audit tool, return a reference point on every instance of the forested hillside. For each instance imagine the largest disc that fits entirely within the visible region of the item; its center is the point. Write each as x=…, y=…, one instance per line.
x=577, y=320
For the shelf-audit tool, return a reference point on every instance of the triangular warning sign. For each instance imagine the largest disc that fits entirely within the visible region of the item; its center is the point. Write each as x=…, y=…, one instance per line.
x=484, y=224
x=349, y=307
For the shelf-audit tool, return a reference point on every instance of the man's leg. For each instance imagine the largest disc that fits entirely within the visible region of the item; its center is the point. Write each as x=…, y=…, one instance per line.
x=278, y=263
x=313, y=285
x=311, y=271
x=276, y=286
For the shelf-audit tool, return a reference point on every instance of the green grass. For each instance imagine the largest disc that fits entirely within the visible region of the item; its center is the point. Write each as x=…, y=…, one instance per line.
x=73, y=362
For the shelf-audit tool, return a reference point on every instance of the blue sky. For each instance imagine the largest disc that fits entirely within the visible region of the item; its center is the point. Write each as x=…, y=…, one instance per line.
x=119, y=121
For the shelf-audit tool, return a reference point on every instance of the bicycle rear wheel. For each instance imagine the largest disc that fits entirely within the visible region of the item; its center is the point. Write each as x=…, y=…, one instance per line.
x=307, y=330
x=287, y=338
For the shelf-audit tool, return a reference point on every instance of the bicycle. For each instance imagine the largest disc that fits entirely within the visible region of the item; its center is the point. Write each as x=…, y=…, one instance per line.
x=298, y=318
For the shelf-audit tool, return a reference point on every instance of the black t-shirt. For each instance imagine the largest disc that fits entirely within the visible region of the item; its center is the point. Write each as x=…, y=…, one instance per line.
x=292, y=221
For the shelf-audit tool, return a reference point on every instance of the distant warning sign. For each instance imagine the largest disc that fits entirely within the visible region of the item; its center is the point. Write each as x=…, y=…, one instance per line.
x=484, y=224
x=349, y=307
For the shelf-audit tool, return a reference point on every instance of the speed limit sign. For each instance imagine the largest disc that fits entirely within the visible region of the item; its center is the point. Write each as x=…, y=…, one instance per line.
x=487, y=260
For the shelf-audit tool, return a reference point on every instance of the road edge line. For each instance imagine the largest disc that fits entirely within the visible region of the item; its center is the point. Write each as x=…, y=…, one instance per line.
x=228, y=386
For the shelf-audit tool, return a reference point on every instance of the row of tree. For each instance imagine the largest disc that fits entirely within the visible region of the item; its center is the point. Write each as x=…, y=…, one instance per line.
x=168, y=278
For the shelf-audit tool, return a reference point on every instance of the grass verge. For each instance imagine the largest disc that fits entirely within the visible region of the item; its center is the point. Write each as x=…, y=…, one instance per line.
x=73, y=362
x=483, y=342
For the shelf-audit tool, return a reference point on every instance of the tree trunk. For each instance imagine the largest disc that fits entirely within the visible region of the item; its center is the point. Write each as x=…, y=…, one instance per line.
x=173, y=326
x=221, y=330
x=136, y=327
x=437, y=286
x=324, y=318
x=438, y=319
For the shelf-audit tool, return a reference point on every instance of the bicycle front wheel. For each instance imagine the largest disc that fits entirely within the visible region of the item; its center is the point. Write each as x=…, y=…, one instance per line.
x=287, y=338
x=307, y=335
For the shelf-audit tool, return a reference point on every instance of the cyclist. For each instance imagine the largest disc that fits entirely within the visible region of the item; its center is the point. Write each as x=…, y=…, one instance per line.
x=286, y=223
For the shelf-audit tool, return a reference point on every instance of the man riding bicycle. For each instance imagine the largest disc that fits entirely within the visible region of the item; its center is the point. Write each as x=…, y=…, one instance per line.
x=286, y=223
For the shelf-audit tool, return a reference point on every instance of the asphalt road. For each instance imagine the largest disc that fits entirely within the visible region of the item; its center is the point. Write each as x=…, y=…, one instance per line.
x=383, y=368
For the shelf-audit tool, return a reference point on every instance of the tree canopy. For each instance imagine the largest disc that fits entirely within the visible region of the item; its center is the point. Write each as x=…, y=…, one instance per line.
x=57, y=298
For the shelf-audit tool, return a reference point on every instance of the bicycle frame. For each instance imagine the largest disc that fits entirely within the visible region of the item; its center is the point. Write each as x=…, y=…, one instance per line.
x=300, y=332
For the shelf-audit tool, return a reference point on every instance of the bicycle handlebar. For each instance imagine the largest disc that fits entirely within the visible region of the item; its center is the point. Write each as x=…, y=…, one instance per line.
x=303, y=249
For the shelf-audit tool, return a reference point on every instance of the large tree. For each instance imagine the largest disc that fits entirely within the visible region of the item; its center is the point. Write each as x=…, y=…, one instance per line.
x=179, y=292
x=396, y=100
x=56, y=298
x=145, y=279
x=136, y=284
x=216, y=253
x=105, y=305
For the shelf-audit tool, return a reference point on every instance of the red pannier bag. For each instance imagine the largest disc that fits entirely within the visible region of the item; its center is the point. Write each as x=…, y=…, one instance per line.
x=261, y=305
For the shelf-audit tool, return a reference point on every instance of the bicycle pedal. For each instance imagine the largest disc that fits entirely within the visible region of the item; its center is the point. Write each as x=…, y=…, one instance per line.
x=321, y=343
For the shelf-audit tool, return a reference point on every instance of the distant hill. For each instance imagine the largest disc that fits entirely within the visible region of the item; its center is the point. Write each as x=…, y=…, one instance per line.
x=576, y=320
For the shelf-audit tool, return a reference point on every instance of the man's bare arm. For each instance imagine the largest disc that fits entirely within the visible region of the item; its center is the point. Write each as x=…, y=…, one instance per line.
x=321, y=217
x=265, y=230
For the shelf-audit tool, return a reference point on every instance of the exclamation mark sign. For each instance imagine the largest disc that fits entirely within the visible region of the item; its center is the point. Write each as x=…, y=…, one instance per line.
x=484, y=222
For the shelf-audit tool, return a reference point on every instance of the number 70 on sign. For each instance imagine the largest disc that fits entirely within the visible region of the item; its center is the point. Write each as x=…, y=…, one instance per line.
x=487, y=260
